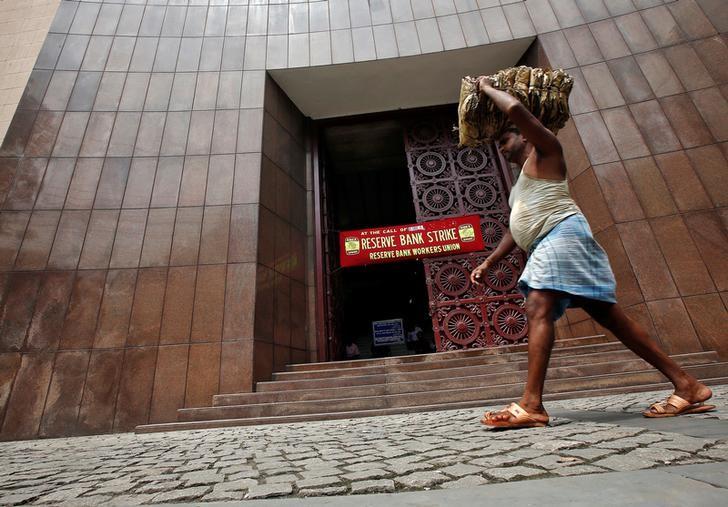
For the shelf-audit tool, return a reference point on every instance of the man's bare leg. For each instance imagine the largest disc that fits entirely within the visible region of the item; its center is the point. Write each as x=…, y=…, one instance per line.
x=540, y=306
x=635, y=337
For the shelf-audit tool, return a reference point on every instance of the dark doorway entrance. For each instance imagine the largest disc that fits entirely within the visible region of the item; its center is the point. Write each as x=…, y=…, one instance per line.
x=382, y=292
x=367, y=183
x=405, y=168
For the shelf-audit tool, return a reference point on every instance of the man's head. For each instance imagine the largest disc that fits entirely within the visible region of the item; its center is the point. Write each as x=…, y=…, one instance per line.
x=513, y=145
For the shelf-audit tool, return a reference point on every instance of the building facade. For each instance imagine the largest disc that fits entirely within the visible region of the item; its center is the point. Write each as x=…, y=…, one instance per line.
x=159, y=239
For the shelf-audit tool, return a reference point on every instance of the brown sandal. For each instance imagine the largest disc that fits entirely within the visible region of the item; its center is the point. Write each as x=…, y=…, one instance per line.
x=520, y=418
x=681, y=405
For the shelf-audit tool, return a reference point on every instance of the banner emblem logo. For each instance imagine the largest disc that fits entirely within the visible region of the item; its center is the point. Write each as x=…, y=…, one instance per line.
x=466, y=233
x=351, y=245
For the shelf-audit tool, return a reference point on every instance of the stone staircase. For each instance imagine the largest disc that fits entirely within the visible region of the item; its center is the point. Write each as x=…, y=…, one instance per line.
x=588, y=366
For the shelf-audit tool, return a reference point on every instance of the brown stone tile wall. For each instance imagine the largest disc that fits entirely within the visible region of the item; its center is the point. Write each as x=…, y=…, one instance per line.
x=130, y=199
x=647, y=157
x=281, y=330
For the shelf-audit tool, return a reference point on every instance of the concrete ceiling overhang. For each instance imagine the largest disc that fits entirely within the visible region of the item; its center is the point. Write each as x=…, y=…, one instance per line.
x=348, y=89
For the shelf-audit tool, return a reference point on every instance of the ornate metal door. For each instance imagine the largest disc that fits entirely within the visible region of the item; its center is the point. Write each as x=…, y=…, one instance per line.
x=448, y=181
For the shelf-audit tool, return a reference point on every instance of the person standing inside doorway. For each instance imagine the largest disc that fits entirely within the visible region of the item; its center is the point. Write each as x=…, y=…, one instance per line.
x=352, y=350
x=566, y=268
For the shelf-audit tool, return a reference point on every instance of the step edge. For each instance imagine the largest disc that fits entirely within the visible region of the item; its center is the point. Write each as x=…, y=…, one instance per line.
x=384, y=365
x=292, y=419
x=453, y=352
x=636, y=358
x=375, y=374
x=399, y=395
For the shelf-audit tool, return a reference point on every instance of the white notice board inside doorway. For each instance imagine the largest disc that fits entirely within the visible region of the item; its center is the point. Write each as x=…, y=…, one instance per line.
x=387, y=332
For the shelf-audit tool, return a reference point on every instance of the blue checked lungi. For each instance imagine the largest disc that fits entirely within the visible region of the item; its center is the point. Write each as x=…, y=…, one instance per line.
x=568, y=259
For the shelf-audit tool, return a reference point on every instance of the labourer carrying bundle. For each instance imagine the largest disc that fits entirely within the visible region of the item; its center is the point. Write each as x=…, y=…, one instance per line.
x=545, y=93
x=522, y=108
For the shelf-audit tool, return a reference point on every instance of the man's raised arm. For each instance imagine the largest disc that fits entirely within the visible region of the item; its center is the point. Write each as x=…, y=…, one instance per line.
x=542, y=138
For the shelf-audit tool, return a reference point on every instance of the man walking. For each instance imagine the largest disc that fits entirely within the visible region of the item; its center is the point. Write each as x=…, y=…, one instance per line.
x=566, y=268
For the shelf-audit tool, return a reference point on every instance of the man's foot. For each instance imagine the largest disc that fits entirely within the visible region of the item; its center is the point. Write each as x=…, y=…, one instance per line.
x=515, y=416
x=694, y=392
x=687, y=399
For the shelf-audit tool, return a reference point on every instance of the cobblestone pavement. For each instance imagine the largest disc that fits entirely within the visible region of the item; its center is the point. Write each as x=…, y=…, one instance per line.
x=447, y=449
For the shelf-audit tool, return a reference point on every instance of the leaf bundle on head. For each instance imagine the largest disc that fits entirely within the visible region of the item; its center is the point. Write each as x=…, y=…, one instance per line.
x=544, y=92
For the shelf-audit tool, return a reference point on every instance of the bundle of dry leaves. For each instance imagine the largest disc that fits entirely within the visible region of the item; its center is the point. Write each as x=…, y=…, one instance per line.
x=544, y=92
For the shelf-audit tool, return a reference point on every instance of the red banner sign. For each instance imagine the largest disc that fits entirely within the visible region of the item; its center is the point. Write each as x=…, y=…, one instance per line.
x=450, y=236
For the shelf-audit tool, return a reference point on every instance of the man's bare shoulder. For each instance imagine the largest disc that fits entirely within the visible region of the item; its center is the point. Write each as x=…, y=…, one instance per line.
x=551, y=166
